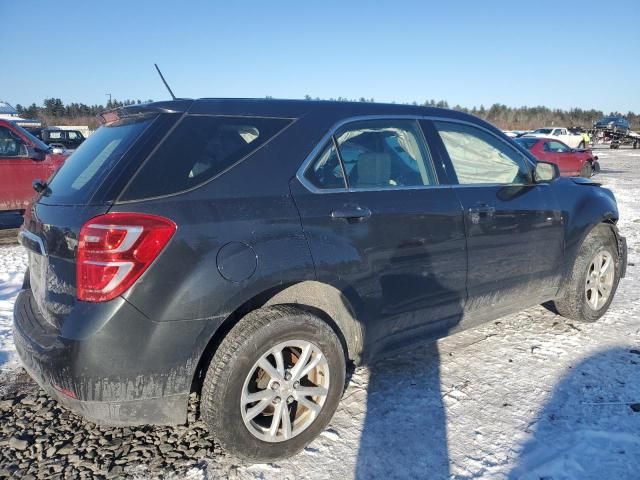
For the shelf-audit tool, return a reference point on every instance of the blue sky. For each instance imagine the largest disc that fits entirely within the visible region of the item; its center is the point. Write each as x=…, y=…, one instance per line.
x=554, y=53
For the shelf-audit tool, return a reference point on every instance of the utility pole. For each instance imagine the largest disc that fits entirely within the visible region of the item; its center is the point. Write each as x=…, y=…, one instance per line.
x=108, y=104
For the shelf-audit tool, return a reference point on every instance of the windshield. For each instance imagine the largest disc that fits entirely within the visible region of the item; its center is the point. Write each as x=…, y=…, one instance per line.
x=543, y=130
x=84, y=170
x=527, y=143
x=35, y=140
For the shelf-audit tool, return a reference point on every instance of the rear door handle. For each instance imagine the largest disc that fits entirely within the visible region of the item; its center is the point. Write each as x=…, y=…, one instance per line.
x=352, y=214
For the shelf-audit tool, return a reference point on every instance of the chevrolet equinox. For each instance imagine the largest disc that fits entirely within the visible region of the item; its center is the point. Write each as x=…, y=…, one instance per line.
x=250, y=250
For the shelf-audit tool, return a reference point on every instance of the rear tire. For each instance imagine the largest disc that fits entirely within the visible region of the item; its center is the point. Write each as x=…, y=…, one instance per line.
x=284, y=425
x=577, y=300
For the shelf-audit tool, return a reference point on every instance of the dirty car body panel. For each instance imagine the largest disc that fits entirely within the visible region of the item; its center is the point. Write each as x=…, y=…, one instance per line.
x=419, y=264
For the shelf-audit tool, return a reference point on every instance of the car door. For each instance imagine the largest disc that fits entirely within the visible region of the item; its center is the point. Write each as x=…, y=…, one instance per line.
x=384, y=230
x=18, y=171
x=514, y=226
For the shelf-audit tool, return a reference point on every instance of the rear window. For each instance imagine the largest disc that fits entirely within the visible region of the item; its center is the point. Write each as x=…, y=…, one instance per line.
x=198, y=149
x=82, y=172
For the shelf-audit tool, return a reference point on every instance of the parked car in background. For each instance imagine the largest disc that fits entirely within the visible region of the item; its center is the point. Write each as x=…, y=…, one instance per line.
x=570, y=161
x=574, y=140
x=613, y=124
x=250, y=249
x=67, y=139
x=515, y=133
x=23, y=159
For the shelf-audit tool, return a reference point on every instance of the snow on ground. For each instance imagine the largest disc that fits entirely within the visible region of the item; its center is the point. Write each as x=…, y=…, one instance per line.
x=13, y=263
x=527, y=396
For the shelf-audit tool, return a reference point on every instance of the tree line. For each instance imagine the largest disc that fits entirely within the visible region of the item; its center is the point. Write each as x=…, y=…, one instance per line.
x=54, y=111
x=521, y=118
x=55, y=108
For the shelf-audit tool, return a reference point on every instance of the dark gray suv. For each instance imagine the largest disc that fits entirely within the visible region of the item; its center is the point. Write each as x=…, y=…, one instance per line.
x=250, y=250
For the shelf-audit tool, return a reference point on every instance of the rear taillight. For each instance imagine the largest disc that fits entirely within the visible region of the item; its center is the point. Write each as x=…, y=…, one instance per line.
x=115, y=249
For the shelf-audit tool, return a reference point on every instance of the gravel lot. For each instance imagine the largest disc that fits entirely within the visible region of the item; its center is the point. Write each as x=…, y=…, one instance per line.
x=528, y=396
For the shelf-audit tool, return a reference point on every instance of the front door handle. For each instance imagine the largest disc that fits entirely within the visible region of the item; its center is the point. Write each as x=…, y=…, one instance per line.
x=352, y=214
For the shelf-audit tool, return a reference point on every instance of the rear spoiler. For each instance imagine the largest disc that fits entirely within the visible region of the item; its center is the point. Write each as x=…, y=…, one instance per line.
x=175, y=106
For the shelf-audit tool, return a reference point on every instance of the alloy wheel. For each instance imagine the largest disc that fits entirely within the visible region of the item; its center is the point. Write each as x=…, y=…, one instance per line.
x=285, y=390
x=599, y=281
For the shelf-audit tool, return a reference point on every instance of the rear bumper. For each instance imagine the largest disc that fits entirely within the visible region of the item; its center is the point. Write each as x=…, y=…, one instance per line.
x=122, y=370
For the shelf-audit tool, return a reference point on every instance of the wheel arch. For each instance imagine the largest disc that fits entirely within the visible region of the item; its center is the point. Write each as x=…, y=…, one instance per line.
x=321, y=299
x=606, y=221
x=329, y=303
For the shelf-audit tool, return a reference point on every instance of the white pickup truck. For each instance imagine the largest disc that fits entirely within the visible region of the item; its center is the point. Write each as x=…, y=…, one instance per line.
x=562, y=134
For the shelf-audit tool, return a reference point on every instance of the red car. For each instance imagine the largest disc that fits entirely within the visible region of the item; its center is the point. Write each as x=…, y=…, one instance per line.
x=23, y=158
x=571, y=162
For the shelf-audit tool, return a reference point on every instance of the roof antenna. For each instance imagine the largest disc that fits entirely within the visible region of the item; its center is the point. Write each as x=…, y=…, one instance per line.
x=165, y=82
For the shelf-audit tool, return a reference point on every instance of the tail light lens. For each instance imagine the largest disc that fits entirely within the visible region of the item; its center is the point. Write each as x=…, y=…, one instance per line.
x=115, y=249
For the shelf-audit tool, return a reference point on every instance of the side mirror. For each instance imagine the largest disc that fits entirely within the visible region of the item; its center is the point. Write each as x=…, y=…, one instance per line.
x=573, y=150
x=546, y=172
x=35, y=153
x=39, y=185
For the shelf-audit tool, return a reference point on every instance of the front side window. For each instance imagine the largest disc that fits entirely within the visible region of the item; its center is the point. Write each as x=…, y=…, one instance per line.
x=55, y=135
x=384, y=154
x=480, y=157
x=555, y=147
x=10, y=144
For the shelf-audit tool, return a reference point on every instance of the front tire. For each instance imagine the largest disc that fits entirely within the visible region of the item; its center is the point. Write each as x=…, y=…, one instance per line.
x=593, y=280
x=273, y=384
x=587, y=170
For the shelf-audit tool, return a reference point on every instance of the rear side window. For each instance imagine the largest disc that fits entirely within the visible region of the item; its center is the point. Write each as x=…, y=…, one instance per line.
x=81, y=173
x=198, y=149
x=527, y=143
x=326, y=171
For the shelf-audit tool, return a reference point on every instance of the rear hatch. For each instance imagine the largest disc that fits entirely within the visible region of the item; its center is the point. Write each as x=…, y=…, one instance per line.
x=85, y=186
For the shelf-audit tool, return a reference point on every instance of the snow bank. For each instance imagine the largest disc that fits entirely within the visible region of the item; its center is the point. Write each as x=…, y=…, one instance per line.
x=13, y=262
